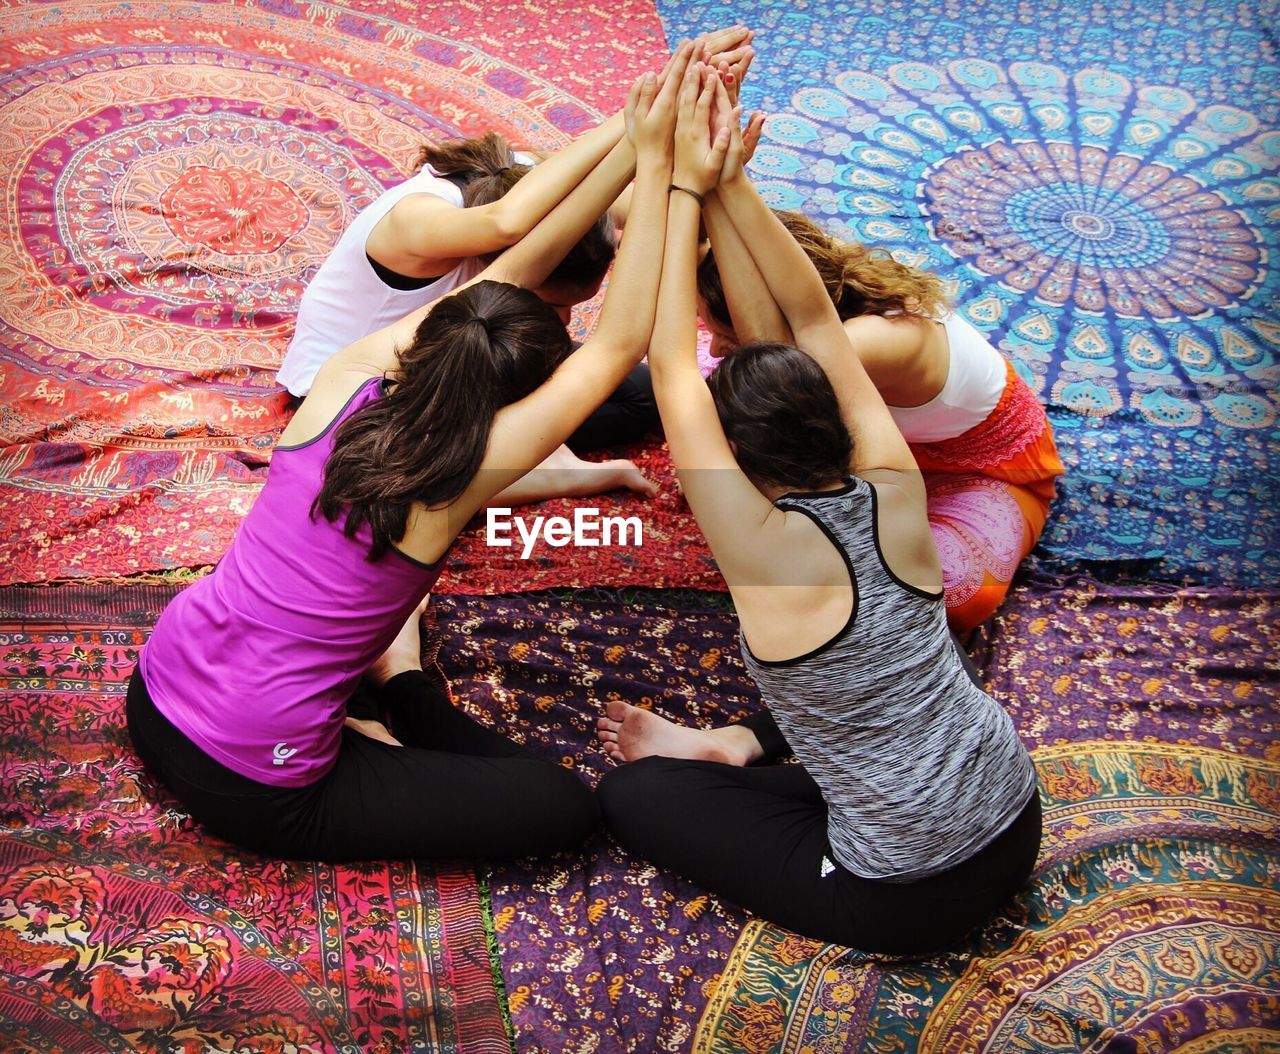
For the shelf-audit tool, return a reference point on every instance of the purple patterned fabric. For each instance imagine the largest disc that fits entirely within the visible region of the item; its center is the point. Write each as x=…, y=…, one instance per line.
x=1151, y=716
x=598, y=947
x=1073, y=659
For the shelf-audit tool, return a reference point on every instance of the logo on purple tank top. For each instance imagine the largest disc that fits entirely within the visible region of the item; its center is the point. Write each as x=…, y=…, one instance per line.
x=282, y=753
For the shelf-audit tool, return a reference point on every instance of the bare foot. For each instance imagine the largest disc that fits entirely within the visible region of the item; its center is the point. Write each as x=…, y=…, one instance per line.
x=596, y=477
x=565, y=475
x=628, y=733
x=373, y=729
x=405, y=652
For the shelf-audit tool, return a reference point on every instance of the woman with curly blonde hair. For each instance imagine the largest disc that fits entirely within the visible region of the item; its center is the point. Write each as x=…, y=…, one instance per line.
x=977, y=431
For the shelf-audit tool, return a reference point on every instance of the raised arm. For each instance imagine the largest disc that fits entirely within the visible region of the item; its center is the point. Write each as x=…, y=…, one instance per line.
x=737, y=519
x=729, y=48
x=527, y=263
x=803, y=301
x=524, y=433
x=752, y=311
x=436, y=234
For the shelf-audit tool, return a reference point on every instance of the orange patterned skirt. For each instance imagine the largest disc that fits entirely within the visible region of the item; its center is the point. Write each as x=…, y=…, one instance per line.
x=989, y=494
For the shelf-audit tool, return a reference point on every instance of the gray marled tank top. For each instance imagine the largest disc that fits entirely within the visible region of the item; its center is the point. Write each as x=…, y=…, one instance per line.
x=919, y=767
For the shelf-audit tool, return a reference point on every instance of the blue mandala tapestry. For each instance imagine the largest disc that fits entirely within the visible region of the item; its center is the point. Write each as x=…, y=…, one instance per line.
x=1102, y=198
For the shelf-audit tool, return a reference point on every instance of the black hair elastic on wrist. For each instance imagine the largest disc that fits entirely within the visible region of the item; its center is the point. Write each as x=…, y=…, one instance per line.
x=692, y=193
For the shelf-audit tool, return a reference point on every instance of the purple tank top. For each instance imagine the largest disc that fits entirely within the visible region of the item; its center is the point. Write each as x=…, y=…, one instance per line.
x=256, y=662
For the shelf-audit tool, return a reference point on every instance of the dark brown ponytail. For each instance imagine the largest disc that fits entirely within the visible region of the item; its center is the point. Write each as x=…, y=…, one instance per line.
x=423, y=442
x=781, y=415
x=486, y=167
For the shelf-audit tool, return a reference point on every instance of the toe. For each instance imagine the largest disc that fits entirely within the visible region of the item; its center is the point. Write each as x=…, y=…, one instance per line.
x=644, y=486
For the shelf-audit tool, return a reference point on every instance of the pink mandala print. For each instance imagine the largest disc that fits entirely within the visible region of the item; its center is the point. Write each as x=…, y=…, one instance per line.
x=212, y=219
x=175, y=175
x=978, y=528
x=173, y=212
x=234, y=210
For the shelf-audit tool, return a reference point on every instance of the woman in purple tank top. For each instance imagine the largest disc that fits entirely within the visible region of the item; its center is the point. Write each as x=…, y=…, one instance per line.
x=238, y=705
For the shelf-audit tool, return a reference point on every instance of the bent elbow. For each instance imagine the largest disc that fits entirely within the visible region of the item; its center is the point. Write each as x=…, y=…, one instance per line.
x=508, y=227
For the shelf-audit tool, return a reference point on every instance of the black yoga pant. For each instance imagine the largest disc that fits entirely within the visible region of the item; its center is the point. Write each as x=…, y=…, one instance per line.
x=758, y=836
x=627, y=416
x=455, y=789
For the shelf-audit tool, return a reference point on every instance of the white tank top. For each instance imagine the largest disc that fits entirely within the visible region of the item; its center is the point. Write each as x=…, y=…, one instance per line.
x=346, y=300
x=976, y=375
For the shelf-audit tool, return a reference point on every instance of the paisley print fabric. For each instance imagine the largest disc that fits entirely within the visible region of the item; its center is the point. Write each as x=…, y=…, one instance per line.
x=125, y=926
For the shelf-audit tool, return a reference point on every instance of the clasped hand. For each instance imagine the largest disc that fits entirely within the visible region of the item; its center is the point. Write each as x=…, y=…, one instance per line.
x=688, y=114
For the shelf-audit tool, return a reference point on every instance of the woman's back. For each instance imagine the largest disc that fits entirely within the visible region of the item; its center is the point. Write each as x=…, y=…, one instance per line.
x=940, y=378
x=919, y=767
x=909, y=776
x=295, y=613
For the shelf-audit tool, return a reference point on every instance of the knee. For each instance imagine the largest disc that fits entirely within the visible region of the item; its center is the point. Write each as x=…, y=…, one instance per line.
x=569, y=806
x=637, y=790
x=972, y=613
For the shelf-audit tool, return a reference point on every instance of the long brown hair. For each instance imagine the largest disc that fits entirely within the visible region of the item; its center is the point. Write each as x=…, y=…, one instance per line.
x=423, y=442
x=859, y=280
x=487, y=168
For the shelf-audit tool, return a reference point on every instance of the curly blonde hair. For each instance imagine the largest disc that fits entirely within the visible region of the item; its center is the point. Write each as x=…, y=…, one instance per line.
x=859, y=280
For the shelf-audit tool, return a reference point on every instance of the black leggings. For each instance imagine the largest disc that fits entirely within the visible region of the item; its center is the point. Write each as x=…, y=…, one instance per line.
x=627, y=416
x=758, y=837
x=455, y=789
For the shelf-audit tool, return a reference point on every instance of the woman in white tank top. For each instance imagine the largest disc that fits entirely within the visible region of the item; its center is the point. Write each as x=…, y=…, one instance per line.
x=977, y=431
x=407, y=265
x=422, y=239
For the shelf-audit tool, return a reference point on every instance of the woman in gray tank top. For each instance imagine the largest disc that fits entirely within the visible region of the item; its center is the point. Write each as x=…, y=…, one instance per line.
x=913, y=813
